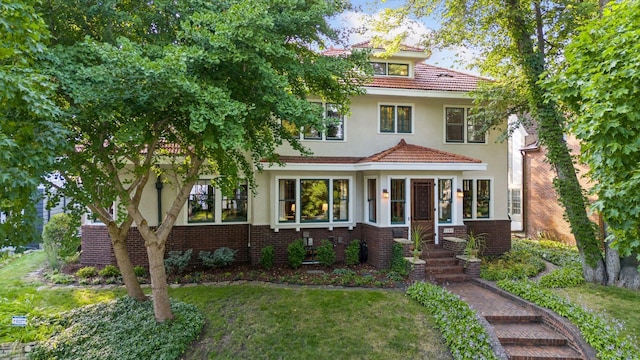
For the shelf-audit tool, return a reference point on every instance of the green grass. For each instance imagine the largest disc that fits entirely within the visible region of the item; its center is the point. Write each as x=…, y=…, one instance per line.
x=621, y=304
x=265, y=322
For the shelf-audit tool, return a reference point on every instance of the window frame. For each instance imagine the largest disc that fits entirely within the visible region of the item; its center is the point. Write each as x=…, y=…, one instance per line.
x=472, y=198
x=386, y=67
x=468, y=136
x=218, y=198
x=445, y=198
x=395, y=107
x=393, y=200
x=371, y=199
x=323, y=135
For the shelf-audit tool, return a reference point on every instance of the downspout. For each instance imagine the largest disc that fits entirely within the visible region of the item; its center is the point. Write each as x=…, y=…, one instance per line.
x=159, y=186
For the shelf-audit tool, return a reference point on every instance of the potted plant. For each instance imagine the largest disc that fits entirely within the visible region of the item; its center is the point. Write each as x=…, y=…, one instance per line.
x=475, y=244
x=418, y=233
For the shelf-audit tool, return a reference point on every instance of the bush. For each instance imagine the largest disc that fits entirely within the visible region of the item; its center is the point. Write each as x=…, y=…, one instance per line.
x=552, y=251
x=177, y=261
x=352, y=253
x=60, y=238
x=458, y=323
x=325, y=253
x=59, y=278
x=568, y=276
x=600, y=332
x=222, y=257
x=267, y=257
x=109, y=271
x=399, y=264
x=296, y=253
x=517, y=263
x=120, y=330
x=140, y=271
x=86, y=272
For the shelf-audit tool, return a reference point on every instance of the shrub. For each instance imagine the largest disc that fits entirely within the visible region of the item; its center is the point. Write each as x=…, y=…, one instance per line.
x=59, y=278
x=123, y=329
x=325, y=253
x=600, y=332
x=568, y=276
x=267, y=257
x=399, y=264
x=60, y=238
x=517, y=263
x=296, y=253
x=222, y=257
x=555, y=252
x=109, y=271
x=86, y=272
x=140, y=271
x=177, y=261
x=458, y=323
x=352, y=253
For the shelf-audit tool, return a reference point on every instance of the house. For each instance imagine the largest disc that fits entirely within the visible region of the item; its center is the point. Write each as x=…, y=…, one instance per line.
x=406, y=154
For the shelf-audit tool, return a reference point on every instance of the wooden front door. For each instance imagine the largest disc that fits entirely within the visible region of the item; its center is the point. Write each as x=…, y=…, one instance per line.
x=422, y=206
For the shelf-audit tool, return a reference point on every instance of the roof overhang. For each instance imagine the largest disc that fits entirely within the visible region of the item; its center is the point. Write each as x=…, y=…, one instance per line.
x=417, y=93
x=378, y=166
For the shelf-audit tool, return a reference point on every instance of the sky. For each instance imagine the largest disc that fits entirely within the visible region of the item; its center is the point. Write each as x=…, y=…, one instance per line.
x=372, y=8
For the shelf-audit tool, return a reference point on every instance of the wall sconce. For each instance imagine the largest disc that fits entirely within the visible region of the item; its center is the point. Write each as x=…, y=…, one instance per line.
x=460, y=193
x=385, y=194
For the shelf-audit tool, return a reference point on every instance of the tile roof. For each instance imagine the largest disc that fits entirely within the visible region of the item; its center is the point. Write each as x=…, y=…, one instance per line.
x=430, y=77
x=401, y=153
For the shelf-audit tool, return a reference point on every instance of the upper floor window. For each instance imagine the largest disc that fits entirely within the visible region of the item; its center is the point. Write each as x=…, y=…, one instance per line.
x=333, y=125
x=461, y=128
x=390, y=69
x=396, y=119
x=205, y=207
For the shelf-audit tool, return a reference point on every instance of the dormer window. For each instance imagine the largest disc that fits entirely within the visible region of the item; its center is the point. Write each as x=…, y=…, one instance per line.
x=390, y=69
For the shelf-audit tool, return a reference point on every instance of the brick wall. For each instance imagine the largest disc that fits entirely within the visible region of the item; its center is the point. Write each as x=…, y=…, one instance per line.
x=380, y=245
x=498, y=234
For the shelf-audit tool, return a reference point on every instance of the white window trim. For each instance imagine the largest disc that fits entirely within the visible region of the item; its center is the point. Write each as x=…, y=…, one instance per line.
x=297, y=224
x=474, y=200
x=323, y=135
x=89, y=216
x=464, y=127
x=365, y=197
x=217, y=214
x=395, y=120
x=409, y=75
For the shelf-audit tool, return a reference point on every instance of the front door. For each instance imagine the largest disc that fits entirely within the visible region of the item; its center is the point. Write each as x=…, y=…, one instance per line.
x=422, y=206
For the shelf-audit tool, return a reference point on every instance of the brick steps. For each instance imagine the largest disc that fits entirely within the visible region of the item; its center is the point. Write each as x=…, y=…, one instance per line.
x=517, y=352
x=442, y=266
x=447, y=278
x=528, y=334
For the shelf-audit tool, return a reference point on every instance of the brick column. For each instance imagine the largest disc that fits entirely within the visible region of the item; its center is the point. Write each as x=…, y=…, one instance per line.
x=417, y=270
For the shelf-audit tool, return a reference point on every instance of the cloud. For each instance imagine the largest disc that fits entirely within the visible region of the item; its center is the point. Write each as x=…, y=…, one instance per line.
x=358, y=27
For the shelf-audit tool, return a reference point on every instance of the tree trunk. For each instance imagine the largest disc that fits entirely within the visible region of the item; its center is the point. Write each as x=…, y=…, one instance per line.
x=126, y=269
x=161, y=304
x=551, y=133
x=612, y=262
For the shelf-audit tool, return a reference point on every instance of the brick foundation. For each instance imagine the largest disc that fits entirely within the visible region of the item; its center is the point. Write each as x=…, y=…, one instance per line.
x=498, y=235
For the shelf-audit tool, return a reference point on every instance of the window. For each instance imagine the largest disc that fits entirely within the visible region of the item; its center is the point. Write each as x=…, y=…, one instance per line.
x=313, y=200
x=515, y=202
x=390, y=69
x=396, y=119
x=444, y=200
x=461, y=128
x=476, y=202
x=202, y=202
x=372, y=197
x=333, y=125
x=205, y=207
x=398, y=201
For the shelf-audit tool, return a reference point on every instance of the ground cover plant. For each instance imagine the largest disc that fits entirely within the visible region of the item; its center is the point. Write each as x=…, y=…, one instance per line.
x=461, y=329
x=518, y=263
x=118, y=330
x=601, y=332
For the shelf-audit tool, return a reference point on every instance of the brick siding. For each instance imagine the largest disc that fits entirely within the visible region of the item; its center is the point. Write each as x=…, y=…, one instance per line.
x=498, y=234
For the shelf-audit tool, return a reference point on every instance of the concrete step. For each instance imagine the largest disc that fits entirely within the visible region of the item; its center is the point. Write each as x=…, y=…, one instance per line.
x=517, y=352
x=528, y=334
x=444, y=269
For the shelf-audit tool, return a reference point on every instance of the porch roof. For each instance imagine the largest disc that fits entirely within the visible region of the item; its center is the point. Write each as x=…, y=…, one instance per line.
x=402, y=156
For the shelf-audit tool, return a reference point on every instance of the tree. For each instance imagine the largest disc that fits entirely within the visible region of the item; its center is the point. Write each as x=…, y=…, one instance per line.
x=173, y=90
x=29, y=139
x=518, y=43
x=600, y=87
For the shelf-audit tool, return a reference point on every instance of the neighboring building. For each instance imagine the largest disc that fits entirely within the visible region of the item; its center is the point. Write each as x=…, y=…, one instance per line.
x=407, y=154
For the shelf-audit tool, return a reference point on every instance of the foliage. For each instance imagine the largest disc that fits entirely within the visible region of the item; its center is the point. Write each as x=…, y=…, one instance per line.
x=57, y=277
x=418, y=233
x=517, y=263
x=325, y=253
x=109, y=271
x=475, y=244
x=86, y=272
x=399, y=264
x=121, y=329
x=222, y=257
x=140, y=271
x=459, y=324
x=296, y=253
x=352, y=253
x=555, y=252
x=177, y=261
x=568, y=276
x=600, y=88
x=596, y=329
x=267, y=257
x=60, y=237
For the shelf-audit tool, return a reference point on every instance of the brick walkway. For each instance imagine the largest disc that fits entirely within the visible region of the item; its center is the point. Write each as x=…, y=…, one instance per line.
x=524, y=330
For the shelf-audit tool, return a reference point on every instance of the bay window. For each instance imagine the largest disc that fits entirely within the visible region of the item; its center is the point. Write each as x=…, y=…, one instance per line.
x=308, y=200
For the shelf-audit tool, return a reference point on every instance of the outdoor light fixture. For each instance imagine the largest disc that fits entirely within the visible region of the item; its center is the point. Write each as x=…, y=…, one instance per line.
x=385, y=194
x=460, y=193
